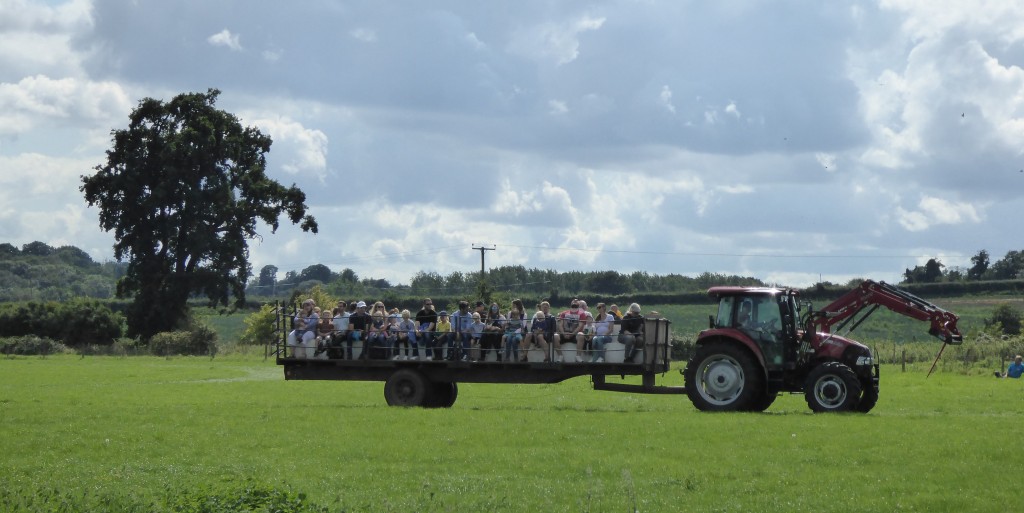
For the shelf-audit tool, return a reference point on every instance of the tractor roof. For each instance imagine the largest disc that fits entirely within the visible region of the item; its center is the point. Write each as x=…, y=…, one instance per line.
x=744, y=291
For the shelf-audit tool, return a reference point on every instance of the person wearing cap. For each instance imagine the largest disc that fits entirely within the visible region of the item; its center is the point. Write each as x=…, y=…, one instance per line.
x=426, y=321
x=631, y=331
x=358, y=323
x=443, y=337
x=462, y=321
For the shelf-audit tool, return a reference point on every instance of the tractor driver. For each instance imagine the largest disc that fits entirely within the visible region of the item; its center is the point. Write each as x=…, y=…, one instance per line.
x=744, y=320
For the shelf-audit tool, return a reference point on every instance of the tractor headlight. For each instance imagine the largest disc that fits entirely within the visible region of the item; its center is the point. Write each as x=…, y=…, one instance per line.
x=865, y=360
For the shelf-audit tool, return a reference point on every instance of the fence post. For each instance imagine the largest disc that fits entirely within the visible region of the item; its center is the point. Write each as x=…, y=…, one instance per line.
x=904, y=359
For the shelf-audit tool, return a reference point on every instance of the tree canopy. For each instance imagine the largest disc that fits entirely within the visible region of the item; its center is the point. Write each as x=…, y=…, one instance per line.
x=182, y=189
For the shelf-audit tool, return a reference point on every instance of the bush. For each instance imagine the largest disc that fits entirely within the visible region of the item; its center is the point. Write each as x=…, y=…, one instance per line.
x=30, y=345
x=1005, y=318
x=76, y=322
x=198, y=340
x=260, y=327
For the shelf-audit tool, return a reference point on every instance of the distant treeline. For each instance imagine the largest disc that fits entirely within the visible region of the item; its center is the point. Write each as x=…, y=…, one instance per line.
x=39, y=272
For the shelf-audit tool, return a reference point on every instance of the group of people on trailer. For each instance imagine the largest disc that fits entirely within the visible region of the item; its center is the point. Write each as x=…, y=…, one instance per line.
x=465, y=335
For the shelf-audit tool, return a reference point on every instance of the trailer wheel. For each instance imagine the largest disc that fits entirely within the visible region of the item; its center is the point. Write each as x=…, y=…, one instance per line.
x=444, y=395
x=868, y=398
x=832, y=387
x=723, y=377
x=406, y=387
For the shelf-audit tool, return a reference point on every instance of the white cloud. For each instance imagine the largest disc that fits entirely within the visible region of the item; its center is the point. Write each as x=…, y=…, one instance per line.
x=666, y=99
x=42, y=101
x=299, y=149
x=936, y=211
x=226, y=39
x=553, y=42
x=364, y=35
x=557, y=107
x=733, y=110
x=827, y=161
x=475, y=42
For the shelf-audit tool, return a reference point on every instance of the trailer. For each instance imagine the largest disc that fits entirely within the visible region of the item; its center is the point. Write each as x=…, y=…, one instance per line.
x=763, y=342
x=434, y=383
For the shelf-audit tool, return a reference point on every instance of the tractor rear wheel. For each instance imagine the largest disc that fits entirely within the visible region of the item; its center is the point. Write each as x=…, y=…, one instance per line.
x=832, y=387
x=723, y=376
x=763, y=402
x=406, y=387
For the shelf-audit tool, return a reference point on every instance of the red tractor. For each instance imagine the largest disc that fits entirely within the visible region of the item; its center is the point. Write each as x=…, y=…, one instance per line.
x=761, y=345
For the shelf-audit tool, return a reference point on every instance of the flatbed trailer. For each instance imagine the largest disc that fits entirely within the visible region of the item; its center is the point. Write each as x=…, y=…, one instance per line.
x=434, y=383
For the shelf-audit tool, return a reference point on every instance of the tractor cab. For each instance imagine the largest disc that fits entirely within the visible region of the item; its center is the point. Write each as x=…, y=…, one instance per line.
x=765, y=317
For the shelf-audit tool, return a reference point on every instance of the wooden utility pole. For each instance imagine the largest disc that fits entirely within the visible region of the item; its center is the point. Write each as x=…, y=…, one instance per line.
x=482, y=249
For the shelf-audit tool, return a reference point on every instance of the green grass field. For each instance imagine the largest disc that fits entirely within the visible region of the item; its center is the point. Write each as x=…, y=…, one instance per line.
x=194, y=434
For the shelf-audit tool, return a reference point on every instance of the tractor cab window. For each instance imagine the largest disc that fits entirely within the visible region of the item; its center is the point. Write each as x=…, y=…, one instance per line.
x=725, y=312
x=767, y=313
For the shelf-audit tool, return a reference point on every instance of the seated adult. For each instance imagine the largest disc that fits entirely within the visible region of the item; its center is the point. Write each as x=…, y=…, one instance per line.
x=515, y=326
x=567, y=326
x=304, y=324
x=631, y=332
x=324, y=330
x=358, y=323
x=604, y=322
x=426, y=322
x=495, y=327
x=462, y=322
x=584, y=333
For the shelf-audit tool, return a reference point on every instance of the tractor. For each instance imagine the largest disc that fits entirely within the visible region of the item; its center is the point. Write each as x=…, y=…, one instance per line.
x=765, y=341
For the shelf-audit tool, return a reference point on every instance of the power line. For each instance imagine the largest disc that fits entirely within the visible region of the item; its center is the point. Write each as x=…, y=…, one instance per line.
x=750, y=255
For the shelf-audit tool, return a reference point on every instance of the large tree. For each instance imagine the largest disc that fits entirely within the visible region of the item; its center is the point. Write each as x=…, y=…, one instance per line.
x=182, y=190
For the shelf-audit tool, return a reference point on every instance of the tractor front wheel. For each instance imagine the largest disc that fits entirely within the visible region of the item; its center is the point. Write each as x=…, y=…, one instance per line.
x=723, y=376
x=868, y=398
x=832, y=387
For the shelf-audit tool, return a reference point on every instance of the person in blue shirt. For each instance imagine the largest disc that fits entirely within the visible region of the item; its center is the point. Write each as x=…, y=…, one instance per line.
x=1016, y=369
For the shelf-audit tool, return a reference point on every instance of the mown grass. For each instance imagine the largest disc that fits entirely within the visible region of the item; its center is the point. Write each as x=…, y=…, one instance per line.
x=106, y=433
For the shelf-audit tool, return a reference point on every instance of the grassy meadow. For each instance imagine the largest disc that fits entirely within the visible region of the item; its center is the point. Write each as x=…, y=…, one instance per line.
x=229, y=434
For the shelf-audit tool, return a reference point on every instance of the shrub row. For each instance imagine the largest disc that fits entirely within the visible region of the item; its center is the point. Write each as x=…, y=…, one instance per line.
x=76, y=322
x=198, y=340
x=30, y=345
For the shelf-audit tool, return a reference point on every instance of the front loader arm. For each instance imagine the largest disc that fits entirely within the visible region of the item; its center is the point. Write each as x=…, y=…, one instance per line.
x=871, y=295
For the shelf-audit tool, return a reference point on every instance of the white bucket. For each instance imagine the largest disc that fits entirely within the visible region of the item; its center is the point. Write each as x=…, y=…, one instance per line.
x=614, y=352
x=568, y=352
x=535, y=355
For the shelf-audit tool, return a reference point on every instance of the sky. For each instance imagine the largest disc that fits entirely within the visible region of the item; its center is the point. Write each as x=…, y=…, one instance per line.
x=790, y=141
